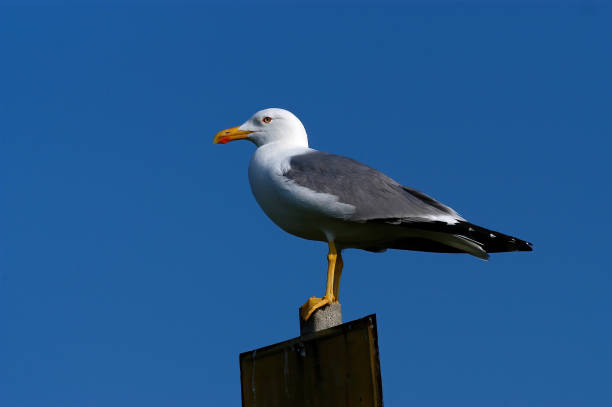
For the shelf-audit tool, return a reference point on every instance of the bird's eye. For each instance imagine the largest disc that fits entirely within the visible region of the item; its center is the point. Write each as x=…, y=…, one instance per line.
x=266, y=119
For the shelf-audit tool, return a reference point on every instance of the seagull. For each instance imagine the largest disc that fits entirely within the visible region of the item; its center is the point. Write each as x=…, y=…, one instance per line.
x=330, y=198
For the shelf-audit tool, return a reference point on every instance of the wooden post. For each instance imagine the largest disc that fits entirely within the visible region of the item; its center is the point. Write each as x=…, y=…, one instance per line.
x=337, y=367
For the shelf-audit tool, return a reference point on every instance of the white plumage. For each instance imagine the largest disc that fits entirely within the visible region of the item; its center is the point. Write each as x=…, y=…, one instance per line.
x=326, y=197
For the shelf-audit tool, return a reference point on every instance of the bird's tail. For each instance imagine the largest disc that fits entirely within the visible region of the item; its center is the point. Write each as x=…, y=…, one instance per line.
x=469, y=238
x=479, y=241
x=460, y=237
x=491, y=241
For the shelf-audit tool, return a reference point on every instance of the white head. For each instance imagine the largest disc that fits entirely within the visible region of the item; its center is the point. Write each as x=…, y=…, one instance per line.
x=265, y=127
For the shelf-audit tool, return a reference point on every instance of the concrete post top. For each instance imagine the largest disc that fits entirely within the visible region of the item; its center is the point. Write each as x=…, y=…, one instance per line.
x=323, y=318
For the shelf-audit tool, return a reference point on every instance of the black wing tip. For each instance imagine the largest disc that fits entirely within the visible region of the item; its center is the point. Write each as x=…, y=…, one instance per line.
x=496, y=242
x=521, y=245
x=490, y=241
x=525, y=246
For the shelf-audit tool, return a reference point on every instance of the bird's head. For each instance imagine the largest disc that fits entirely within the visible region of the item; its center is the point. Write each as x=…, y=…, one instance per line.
x=267, y=126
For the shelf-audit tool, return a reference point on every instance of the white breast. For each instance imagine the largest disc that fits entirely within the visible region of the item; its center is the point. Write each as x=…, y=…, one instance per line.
x=295, y=209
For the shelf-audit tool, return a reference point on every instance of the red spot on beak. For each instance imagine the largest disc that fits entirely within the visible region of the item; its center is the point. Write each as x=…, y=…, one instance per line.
x=224, y=140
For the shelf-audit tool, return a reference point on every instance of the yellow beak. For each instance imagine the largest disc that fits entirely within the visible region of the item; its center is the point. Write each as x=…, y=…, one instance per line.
x=227, y=135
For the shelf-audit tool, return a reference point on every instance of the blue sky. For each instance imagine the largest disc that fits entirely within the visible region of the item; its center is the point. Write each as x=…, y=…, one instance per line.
x=135, y=264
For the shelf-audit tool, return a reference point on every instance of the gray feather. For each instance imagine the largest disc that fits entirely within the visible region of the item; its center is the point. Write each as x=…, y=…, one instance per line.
x=372, y=193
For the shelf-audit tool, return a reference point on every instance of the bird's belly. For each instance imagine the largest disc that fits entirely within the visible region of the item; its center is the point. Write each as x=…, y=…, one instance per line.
x=284, y=213
x=299, y=226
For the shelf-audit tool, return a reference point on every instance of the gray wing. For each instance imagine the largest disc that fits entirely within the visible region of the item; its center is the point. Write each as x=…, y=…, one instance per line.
x=374, y=195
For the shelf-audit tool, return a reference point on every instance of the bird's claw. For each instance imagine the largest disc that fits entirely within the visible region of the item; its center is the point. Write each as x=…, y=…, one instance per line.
x=313, y=304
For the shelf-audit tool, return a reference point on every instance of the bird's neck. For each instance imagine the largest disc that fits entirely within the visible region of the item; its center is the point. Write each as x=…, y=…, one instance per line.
x=285, y=144
x=288, y=139
x=278, y=151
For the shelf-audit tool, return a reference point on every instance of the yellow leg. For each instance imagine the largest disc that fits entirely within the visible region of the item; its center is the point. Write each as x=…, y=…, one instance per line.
x=337, y=275
x=315, y=303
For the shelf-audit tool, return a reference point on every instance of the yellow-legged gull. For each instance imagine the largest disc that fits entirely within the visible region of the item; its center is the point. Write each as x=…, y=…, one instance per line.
x=335, y=199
